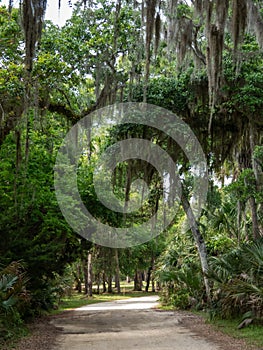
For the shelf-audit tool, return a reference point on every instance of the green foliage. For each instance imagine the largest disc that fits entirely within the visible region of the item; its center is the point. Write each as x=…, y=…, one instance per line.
x=178, y=270
x=179, y=299
x=169, y=93
x=238, y=287
x=183, y=10
x=258, y=156
x=10, y=35
x=219, y=221
x=32, y=226
x=13, y=299
x=245, y=186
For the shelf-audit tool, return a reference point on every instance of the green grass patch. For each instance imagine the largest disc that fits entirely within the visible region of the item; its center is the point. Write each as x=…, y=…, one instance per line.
x=167, y=307
x=9, y=338
x=252, y=334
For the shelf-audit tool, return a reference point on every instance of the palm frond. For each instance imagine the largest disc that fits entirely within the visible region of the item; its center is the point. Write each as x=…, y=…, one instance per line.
x=7, y=282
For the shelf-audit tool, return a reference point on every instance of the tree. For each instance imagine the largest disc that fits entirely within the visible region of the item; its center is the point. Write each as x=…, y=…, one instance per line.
x=32, y=227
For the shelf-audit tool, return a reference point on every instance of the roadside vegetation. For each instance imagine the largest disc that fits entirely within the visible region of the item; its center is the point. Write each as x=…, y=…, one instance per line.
x=251, y=334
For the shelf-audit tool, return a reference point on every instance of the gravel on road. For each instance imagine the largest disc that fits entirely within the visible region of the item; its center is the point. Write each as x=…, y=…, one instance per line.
x=130, y=324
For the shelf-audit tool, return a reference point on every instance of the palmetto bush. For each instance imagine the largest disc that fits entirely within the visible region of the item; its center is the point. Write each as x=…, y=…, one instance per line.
x=238, y=281
x=181, y=280
x=179, y=274
x=13, y=297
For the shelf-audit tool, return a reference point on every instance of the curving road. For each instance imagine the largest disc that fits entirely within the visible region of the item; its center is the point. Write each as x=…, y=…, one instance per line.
x=126, y=325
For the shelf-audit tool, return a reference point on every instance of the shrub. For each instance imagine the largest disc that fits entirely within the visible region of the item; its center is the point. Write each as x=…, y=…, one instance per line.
x=238, y=281
x=13, y=299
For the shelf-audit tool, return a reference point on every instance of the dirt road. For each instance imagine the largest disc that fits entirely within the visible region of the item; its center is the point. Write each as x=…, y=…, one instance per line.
x=126, y=325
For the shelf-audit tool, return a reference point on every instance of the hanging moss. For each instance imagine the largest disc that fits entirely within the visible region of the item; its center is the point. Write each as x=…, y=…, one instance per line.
x=150, y=16
x=198, y=5
x=32, y=20
x=215, y=29
x=157, y=32
x=172, y=26
x=239, y=20
x=255, y=21
x=10, y=5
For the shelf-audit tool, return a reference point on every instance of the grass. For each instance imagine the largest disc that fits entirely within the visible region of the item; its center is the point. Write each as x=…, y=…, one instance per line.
x=14, y=333
x=252, y=334
x=167, y=307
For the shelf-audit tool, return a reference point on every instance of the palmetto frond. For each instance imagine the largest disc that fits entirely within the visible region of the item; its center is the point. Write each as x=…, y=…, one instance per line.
x=243, y=296
x=221, y=269
x=7, y=282
x=239, y=279
x=8, y=304
x=12, y=287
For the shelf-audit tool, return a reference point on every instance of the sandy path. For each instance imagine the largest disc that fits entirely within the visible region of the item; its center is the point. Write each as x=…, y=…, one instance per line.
x=126, y=325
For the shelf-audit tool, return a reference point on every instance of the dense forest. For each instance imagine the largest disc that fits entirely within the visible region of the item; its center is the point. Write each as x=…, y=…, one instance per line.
x=199, y=60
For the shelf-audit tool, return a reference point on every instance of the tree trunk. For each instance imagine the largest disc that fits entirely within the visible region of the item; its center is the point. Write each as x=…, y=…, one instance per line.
x=199, y=240
x=138, y=281
x=104, y=290
x=87, y=269
x=148, y=279
x=117, y=275
x=79, y=286
x=110, y=284
x=255, y=225
x=89, y=275
x=85, y=272
x=255, y=166
x=149, y=274
x=258, y=176
x=98, y=284
x=153, y=285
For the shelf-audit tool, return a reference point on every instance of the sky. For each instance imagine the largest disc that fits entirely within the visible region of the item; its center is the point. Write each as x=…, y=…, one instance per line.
x=58, y=17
